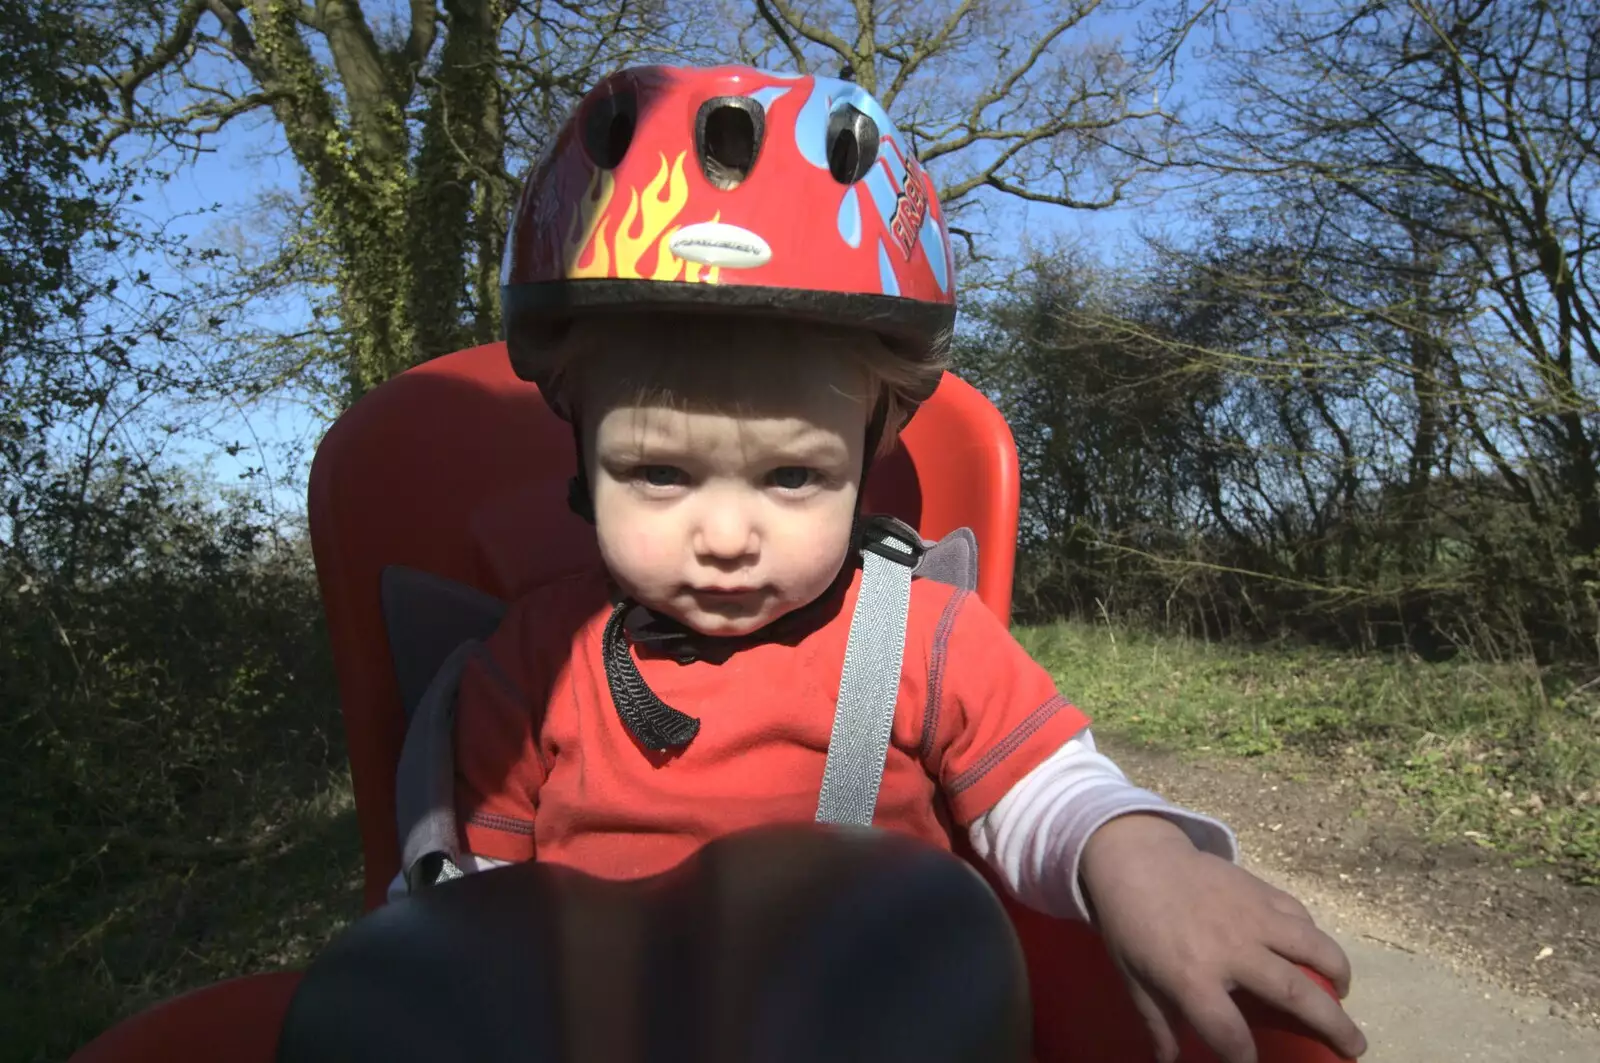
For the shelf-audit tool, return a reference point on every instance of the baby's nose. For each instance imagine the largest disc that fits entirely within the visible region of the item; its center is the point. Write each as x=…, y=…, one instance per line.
x=726, y=533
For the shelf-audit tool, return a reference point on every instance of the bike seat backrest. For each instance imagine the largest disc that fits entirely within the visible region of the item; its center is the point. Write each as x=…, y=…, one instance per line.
x=457, y=469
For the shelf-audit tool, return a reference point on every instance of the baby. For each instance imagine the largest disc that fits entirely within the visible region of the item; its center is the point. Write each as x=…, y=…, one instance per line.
x=622, y=718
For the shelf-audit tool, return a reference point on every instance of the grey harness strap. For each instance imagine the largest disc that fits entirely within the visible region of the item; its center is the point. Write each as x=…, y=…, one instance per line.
x=425, y=799
x=870, y=685
x=435, y=626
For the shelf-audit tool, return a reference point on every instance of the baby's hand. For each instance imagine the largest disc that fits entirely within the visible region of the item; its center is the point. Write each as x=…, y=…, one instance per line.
x=1187, y=928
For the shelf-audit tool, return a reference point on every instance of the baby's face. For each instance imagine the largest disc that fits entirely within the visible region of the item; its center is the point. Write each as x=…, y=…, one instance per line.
x=727, y=522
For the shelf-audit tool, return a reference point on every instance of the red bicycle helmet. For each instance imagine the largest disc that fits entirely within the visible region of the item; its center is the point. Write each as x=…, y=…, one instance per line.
x=727, y=189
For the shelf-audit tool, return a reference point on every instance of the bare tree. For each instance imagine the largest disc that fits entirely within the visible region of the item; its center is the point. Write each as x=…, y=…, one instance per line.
x=1454, y=142
x=397, y=120
x=1036, y=103
x=1392, y=275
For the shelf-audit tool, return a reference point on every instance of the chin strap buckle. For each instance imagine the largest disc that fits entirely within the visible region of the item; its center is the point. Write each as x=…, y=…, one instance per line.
x=891, y=539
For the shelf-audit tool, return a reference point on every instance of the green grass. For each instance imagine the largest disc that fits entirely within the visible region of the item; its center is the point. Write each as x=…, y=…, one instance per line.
x=116, y=929
x=1503, y=755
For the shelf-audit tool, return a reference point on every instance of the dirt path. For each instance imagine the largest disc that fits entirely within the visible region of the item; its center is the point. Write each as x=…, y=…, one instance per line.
x=1457, y=954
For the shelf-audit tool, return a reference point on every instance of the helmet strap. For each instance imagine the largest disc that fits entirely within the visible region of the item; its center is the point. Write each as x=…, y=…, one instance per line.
x=875, y=427
x=580, y=499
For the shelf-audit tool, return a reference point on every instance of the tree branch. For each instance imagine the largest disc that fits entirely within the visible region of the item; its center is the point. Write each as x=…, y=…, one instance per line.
x=975, y=133
x=369, y=92
x=990, y=175
x=814, y=34
x=1042, y=45
x=126, y=85
x=1000, y=184
x=166, y=50
x=424, y=28
x=968, y=236
x=244, y=45
x=923, y=51
x=865, y=66
x=783, y=35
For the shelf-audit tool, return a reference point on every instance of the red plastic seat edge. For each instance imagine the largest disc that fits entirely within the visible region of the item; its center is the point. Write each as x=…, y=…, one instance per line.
x=985, y=463
x=237, y=1021
x=963, y=435
x=1075, y=980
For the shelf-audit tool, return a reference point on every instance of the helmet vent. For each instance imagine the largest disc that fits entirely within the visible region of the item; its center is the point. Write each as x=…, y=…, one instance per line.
x=728, y=132
x=852, y=144
x=608, y=129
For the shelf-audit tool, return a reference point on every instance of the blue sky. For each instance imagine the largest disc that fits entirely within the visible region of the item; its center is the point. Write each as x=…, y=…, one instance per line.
x=203, y=196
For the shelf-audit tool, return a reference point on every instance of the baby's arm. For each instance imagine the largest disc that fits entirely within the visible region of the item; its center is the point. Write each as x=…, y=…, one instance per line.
x=1072, y=837
x=1035, y=835
x=1018, y=765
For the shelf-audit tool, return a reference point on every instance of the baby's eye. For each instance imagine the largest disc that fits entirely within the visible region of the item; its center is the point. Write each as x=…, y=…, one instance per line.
x=661, y=475
x=793, y=477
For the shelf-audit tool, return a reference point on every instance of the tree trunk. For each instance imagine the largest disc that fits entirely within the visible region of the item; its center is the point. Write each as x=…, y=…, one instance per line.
x=358, y=176
x=457, y=211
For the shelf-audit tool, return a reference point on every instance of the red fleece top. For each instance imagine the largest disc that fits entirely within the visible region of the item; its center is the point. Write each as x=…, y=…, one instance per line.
x=545, y=767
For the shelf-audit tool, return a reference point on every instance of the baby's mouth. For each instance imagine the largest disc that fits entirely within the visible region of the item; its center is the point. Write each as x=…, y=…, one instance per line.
x=729, y=601
x=726, y=592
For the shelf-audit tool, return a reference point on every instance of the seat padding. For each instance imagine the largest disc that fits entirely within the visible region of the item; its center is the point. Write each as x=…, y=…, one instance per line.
x=426, y=618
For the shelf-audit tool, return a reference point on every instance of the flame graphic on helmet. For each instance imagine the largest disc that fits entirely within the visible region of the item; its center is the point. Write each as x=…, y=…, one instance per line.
x=648, y=216
x=644, y=224
x=588, y=221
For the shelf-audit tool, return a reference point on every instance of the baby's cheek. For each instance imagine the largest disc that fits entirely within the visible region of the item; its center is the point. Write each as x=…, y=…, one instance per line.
x=815, y=552
x=641, y=551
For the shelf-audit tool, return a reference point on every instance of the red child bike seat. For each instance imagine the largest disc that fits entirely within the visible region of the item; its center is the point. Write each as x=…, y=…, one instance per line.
x=456, y=468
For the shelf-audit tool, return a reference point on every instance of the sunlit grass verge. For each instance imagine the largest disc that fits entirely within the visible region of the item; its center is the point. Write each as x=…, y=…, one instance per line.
x=1504, y=755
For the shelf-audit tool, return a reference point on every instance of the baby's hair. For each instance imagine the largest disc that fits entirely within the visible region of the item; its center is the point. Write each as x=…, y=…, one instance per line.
x=900, y=382
x=896, y=378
